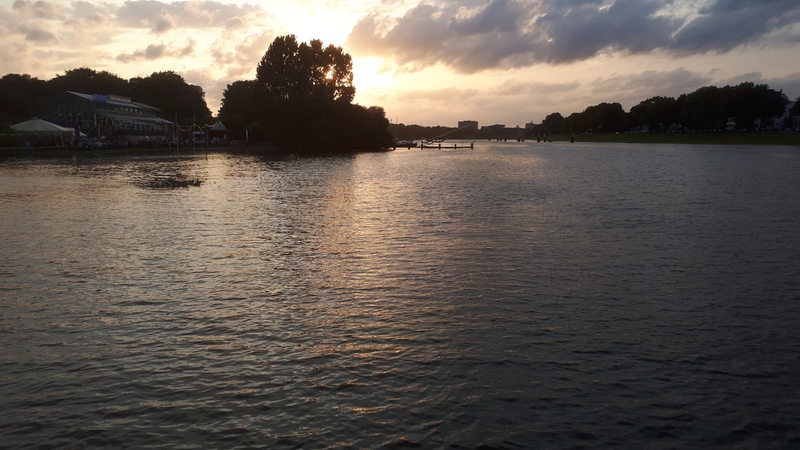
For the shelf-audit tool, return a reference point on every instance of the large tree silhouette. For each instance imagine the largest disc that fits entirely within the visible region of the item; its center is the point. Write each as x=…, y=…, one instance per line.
x=89, y=81
x=302, y=99
x=21, y=97
x=170, y=93
x=295, y=71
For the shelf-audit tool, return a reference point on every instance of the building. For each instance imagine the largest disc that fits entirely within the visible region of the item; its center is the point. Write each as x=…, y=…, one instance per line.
x=112, y=118
x=468, y=125
x=493, y=129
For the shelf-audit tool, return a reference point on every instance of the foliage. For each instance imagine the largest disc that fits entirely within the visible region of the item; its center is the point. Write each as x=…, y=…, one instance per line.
x=301, y=98
x=750, y=105
x=23, y=97
x=241, y=106
x=88, y=81
x=655, y=113
x=170, y=93
x=410, y=132
x=306, y=71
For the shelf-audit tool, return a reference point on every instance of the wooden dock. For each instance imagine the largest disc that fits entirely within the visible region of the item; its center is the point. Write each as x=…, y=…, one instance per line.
x=443, y=146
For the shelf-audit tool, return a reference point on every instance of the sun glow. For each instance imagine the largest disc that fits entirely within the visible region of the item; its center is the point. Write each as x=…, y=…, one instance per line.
x=299, y=19
x=370, y=73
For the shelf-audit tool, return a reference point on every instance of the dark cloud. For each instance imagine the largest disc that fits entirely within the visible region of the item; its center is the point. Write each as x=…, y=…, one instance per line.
x=157, y=51
x=574, y=32
x=727, y=24
x=517, y=33
x=161, y=16
x=152, y=51
x=37, y=35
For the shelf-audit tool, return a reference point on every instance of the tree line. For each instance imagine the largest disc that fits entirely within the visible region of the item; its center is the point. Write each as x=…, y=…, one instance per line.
x=747, y=106
x=23, y=96
x=301, y=98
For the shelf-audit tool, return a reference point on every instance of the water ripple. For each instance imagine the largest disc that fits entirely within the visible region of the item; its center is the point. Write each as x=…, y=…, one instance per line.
x=513, y=296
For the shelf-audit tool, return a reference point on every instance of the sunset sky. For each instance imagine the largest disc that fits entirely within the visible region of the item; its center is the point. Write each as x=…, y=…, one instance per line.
x=429, y=62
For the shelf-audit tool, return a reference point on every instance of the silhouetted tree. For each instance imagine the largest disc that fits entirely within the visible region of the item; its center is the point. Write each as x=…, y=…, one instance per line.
x=295, y=71
x=749, y=102
x=552, y=124
x=656, y=113
x=303, y=93
x=170, y=93
x=710, y=107
x=702, y=109
x=242, y=107
x=605, y=117
x=21, y=97
x=89, y=81
x=575, y=123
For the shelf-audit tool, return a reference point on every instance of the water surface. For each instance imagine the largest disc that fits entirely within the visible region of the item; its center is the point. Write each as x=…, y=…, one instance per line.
x=518, y=295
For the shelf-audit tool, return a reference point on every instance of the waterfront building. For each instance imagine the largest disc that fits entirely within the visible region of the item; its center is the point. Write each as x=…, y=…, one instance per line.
x=115, y=119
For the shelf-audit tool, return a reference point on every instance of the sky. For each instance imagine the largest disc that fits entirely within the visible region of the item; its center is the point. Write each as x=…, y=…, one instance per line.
x=428, y=62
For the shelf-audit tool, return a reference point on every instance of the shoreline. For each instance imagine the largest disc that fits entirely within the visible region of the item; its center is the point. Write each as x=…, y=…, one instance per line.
x=700, y=138
x=66, y=154
x=710, y=138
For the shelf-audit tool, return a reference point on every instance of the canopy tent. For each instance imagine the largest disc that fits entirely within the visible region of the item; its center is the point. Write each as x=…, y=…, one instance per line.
x=218, y=126
x=218, y=134
x=41, y=126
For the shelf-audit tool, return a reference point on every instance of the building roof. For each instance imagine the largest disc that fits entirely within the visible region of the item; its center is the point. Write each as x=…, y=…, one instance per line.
x=114, y=100
x=134, y=118
x=40, y=126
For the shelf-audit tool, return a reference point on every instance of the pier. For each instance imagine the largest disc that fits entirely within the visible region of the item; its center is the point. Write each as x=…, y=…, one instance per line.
x=441, y=146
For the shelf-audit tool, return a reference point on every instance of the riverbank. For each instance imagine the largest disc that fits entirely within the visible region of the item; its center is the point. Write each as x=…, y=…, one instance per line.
x=736, y=138
x=60, y=153
x=732, y=138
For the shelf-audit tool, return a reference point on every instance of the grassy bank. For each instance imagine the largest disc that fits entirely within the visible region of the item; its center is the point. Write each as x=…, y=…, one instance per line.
x=733, y=138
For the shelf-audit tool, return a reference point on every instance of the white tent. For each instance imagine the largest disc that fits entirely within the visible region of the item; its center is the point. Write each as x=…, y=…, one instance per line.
x=218, y=126
x=41, y=126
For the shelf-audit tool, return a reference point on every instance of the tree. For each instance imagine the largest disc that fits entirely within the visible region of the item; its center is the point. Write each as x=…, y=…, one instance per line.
x=295, y=72
x=553, y=123
x=304, y=92
x=749, y=102
x=605, y=117
x=21, y=97
x=89, y=81
x=241, y=107
x=702, y=109
x=655, y=113
x=170, y=93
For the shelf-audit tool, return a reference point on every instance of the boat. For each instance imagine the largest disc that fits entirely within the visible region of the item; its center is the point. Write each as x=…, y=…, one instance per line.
x=404, y=143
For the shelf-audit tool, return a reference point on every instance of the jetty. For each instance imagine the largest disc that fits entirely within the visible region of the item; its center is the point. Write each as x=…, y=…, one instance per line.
x=437, y=142
x=440, y=145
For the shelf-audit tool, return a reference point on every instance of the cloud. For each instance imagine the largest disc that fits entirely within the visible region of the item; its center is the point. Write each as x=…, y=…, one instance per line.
x=39, y=9
x=726, y=24
x=630, y=89
x=37, y=34
x=240, y=54
x=158, y=51
x=162, y=16
x=518, y=33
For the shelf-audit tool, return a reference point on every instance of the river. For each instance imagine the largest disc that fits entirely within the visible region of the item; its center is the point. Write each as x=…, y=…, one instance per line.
x=517, y=295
